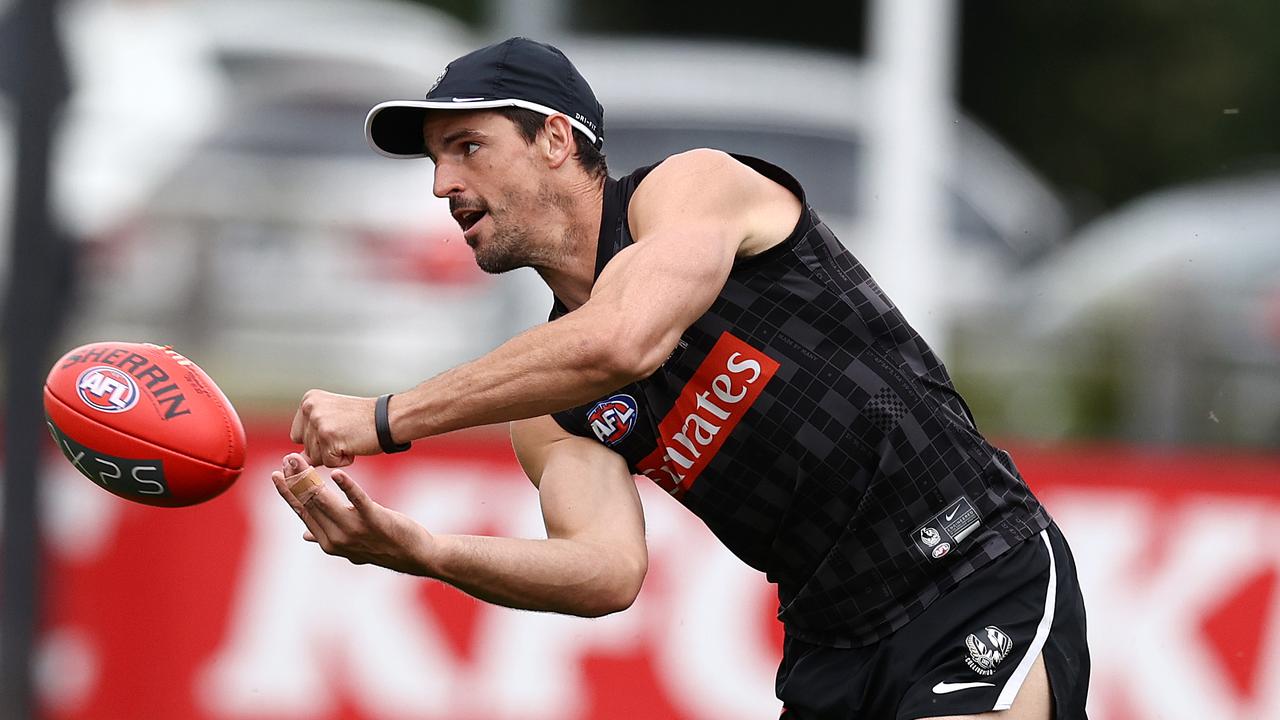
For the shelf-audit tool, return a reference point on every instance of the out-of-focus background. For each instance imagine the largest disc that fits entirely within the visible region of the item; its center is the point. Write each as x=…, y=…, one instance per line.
x=1078, y=204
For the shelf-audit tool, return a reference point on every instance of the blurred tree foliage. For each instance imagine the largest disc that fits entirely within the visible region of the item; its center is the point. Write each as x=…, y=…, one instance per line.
x=839, y=26
x=1112, y=99
x=1109, y=99
x=470, y=11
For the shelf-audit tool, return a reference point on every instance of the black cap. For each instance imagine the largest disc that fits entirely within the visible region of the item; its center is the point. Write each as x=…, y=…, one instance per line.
x=518, y=72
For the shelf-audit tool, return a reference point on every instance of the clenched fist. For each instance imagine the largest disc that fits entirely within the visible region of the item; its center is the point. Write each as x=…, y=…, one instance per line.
x=335, y=429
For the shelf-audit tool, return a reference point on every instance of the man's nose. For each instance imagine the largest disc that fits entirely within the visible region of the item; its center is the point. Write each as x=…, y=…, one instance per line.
x=446, y=182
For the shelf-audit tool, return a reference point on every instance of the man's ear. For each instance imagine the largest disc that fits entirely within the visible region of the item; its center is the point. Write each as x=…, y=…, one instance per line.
x=557, y=140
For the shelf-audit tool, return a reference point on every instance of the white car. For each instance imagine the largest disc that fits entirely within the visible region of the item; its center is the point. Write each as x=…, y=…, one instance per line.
x=809, y=112
x=1179, y=291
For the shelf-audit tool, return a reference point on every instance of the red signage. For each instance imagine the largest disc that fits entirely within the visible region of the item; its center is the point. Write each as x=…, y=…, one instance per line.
x=221, y=611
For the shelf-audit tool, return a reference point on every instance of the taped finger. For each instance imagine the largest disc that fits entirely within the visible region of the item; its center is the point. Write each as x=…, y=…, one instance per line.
x=305, y=485
x=282, y=487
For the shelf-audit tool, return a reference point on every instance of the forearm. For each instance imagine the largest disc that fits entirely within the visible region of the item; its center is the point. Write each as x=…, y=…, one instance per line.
x=547, y=369
x=554, y=575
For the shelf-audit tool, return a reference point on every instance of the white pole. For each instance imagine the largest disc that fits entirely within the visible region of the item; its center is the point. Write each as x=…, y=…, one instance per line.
x=910, y=59
x=544, y=20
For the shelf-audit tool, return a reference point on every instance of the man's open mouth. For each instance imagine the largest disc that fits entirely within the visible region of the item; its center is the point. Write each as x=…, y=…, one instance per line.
x=467, y=219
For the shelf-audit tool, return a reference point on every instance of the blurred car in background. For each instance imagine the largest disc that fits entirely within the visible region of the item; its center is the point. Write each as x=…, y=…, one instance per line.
x=277, y=247
x=274, y=246
x=1156, y=323
x=1184, y=284
x=811, y=113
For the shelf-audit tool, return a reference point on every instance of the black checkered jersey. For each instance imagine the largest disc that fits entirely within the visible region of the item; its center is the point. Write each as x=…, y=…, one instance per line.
x=816, y=434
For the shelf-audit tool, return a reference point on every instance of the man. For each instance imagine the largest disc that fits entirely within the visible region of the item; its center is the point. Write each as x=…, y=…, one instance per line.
x=710, y=333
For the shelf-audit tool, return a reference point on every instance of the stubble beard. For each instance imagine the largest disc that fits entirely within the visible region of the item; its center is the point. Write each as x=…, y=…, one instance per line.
x=503, y=251
x=513, y=246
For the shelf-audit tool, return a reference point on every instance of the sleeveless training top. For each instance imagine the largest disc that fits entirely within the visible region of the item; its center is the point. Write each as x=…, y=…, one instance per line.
x=816, y=435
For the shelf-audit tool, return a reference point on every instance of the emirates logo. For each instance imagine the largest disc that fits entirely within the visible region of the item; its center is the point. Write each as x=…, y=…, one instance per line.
x=710, y=406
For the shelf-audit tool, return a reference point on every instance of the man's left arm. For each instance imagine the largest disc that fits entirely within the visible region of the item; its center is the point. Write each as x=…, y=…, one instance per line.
x=591, y=563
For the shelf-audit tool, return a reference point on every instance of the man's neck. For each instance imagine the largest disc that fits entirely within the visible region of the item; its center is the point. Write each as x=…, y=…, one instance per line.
x=572, y=279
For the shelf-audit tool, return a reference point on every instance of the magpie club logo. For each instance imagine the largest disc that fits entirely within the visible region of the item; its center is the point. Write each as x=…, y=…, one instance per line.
x=985, y=653
x=612, y=420
x=107, y=389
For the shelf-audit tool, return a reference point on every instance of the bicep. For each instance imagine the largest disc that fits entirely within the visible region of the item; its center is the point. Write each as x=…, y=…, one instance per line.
x=690, y=216
x=586, y=491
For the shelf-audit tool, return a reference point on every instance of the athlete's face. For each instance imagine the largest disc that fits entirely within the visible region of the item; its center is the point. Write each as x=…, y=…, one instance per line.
x=495, y=186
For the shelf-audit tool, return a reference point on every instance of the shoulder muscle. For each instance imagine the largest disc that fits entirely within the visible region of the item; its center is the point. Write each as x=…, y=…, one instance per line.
x=710, y=190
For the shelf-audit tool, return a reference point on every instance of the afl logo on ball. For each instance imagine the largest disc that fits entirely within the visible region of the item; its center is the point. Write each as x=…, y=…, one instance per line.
x=108, y=389
x=611, y=420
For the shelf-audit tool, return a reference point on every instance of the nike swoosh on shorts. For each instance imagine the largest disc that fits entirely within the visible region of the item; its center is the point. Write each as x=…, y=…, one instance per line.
x=943, y=688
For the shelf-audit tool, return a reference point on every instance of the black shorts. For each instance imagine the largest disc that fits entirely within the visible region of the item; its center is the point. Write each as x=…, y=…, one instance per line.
x=967, y=653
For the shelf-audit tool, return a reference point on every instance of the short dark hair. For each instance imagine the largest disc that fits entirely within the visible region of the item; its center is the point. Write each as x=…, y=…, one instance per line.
x=530, y=122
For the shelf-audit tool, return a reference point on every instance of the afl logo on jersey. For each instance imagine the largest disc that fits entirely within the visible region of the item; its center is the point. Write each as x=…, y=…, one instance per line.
x=612, y=420
x=108, y=389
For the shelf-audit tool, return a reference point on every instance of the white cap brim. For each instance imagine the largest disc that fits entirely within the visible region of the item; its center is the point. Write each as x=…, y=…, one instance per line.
x=383, y=141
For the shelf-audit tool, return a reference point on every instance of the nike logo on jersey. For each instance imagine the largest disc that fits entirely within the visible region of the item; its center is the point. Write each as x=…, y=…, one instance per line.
x=943, y=688
x=953, y=512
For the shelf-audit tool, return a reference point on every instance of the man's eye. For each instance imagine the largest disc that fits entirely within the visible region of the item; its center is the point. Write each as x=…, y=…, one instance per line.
x=470, y=148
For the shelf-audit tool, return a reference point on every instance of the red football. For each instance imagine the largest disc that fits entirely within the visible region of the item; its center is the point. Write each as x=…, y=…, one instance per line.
x=144, y=422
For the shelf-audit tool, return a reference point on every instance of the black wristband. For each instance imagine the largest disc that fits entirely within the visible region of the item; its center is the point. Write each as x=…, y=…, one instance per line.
x=383, y=425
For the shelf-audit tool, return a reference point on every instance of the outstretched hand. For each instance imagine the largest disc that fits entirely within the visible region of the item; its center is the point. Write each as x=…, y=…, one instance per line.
x=356, y=528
